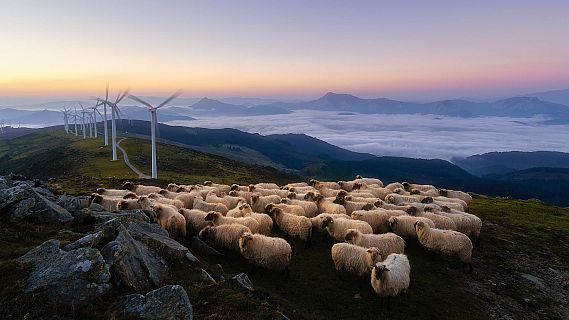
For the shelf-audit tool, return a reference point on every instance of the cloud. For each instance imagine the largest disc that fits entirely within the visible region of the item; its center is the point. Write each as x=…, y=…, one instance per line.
x=416, y=136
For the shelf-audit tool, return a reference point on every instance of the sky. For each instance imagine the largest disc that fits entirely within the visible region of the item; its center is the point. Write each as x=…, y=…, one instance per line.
x=412, y=50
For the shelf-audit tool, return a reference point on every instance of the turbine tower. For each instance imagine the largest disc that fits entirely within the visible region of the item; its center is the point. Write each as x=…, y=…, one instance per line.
x=153, y=124
x=115, y=112
x=75, y=121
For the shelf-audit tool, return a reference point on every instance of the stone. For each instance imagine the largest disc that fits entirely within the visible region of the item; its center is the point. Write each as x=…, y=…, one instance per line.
x=156, y=238
x=243, y=281
x=96, y=207
x=72, y=204
x=99, y=217
x=203, y=248
x=68, y=277
x=22, y=203
x=168, y=302
x=207, y=277
x=192, y=258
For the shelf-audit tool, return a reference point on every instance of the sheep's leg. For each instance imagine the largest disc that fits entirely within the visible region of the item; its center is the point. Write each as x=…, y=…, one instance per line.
x=308, y=242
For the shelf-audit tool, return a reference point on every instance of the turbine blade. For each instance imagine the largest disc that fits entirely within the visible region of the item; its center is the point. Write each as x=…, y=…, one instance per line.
x=107, y=92
x=123, y=95
x=137, y=99
x=172, y=97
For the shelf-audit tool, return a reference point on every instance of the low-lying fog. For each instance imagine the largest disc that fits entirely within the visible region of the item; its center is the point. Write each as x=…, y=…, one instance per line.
x=416, y=136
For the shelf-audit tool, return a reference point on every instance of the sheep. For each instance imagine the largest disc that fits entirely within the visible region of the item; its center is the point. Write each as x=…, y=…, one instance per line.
x=310, y=208
x=475, y=222
x=354, y=259
x=351, y=206
x=218, y=219
x=241, y=194
x=129, y=204
x=456, y=194
x=112, y=192
x=337, y=228
x=265, y=185
x=206, y=206
x=220, y=187
x=266, y=252
x=447, y=242
x=360, y=199
x=329, y=192
x=319, y=184
x=294, y=226
x=441, y=222
x=349, y=185
x=295, y=185
x=139, y=189
x=160, y=199
x=297, y=196
x=187, y=198
x=404, y=226
x=264, y=220
x=213, y=198
x=195, y=219
x=327, y=206
x=370, y=181
x=421, y=187
x=288, y=208
x=317, y=221
x=168, y=194
x=462, y=222
x=110, y=204
x=387, y=243
x=236, y=187
x=391, y=276
x=170, y=219
x=453, y=205
x=399, y=199
x=224, y=236
x=238, y=211
x=234, y=202
x=258, y=203
x=388, y=206
x=393, y=186
x=378, y=220
x=451, y=200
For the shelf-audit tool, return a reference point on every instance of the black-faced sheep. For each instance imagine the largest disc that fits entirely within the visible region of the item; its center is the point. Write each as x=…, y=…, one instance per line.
x=218, y=219
x=195, y=220
x=288, y=208
x=386, y=243
x=266, y=252
x=404, y=226
x=224, y=236
x=327, y=206
x=293, y=225
x=391, y=276
x=337, y=228
x=258, y=203
x=170, y=219
x=354, y=259
x=139, y=189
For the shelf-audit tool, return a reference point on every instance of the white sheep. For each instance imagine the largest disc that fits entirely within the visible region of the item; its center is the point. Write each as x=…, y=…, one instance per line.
x=456, y=194
x=224, y=236
x=475, y=222
x=324, y=184
x=386, y=243
x=266, y=252
x=370, y=181
x=337, y=228
x=223, y=188
x=295, y=185
x=206, y=206
x=317, y=221
x=391, y=276
x=110, y=204
x=294, y=226
x=388, y=206
x=440, y=221
x=394, y=185
x=310, y=208
x=354, y=259
x=140, y=189
x=377, y=218
x=218, y=219
x=113, y=192
x=160, y=199
x=447, y=242
x=195, y=220
x=288, y=208
x=351, y=206
x=356, y=198
x=404, y=226
x=421, y=187
x=268, y=192
x=170, y=219
x=327, y=206
x=258, y=203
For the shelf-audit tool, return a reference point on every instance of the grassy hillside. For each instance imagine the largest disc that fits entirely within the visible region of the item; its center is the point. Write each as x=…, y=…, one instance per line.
x=75, y=165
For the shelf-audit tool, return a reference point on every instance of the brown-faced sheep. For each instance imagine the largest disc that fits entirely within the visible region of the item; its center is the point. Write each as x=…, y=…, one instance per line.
x=317, y=221
x=110, y=204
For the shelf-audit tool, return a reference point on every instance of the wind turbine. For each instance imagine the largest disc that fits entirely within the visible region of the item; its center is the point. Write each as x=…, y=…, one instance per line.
x=65, y=120
x=153, y=125
x=95, y=111
x=75, y=120
x=115, y=112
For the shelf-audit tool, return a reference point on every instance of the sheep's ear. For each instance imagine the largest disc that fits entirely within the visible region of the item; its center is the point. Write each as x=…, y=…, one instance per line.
x=385, y=269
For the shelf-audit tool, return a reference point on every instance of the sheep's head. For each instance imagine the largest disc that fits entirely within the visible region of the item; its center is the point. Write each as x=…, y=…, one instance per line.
x=390, y=198
x=154, y=196
x=207, y=183
x=291, y=195
x=351, y=234
x=96, y=198
x=359, y=177
x=312, y=182
x=269, y=207
x=254, y=198
x=327, y=222
x=380, y=268
x=130, y=195
x=310, y=195
x=428, y=209
x=204, y=232
x=211, y=216
x=406, y=186
x=172, y=187
x=245, y=207
x=163, y=192
x=378, y=203
x=398, y=191
x=285, y=200
x=412, y=211
x=374, y=254
x=128, y=186
x=234, y=187
x=318, y=198
x=101, y=190
x=244, y=239
x=234, y=193
x=443, y=192
x=446, y=209
x=368, y=206
x=392, y=222
x=122, y=205
x=275, y=212
x=427, y=200
x=419, y=225
x=339, y=200
x=357, y=186
x=415, y=191
x=252, y=188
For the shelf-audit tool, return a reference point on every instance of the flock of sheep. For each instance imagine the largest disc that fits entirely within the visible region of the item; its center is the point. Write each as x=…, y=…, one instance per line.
x=369, y=221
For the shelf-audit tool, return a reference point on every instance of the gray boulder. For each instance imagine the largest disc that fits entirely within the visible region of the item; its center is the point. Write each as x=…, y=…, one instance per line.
x=243, y=281
x=168, y=302
x=22, y=203
x=156, y=238
x=99, y=217
x=73, y=204
x=203, y=248
x=68, y=277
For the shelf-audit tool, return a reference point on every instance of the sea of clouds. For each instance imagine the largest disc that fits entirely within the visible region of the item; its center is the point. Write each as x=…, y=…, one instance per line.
x=417, y=136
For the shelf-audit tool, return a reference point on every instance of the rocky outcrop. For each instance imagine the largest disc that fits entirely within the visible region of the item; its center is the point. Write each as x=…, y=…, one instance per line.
x=27, y=201
x=168, y=302
x=69, y=277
